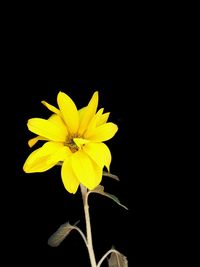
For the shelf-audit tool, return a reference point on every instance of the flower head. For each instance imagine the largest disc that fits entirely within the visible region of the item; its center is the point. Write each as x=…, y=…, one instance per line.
x=74, y=138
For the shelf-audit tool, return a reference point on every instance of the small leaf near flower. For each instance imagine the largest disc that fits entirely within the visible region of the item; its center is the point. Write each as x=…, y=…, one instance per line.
x=100, y=190
x=117, y=259
x=110, y=175
x=62, y=232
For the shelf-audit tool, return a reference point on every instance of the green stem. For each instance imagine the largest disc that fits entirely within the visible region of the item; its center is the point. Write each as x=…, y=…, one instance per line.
x=88, y=227
x=106, y=255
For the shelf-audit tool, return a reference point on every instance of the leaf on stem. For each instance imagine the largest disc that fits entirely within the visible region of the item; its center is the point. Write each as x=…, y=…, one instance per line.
x=110, y=175
x=100, y=190
x=117, y=259
x=63, y=231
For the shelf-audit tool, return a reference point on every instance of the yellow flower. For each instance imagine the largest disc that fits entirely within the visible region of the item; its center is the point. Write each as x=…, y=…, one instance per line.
x=73, y=138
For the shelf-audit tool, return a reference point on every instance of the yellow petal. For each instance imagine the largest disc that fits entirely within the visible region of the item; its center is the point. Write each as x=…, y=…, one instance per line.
x=81, y=113
x=47, y=129
x=58, y=121
x=60, y=154
x=80, y=141
x=103, y=119
x=51, y=108
x=94, y=121
x=86, y=170
x=34, y=140
x=38, y=160
x=102, y=133
x=100, y=153
x=69, y=112
x=88, y=113
x=69, y=178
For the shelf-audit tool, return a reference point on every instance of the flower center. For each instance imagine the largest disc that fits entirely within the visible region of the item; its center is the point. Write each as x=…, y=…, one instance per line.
x=71, y=144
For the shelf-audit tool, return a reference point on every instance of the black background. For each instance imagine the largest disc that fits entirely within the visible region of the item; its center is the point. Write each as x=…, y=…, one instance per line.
x=37, y=204
x=146, y=92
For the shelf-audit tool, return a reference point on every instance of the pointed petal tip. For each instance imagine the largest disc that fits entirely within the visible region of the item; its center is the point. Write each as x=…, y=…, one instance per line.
x=108, y=168
x=95, y=95
x=61, y=93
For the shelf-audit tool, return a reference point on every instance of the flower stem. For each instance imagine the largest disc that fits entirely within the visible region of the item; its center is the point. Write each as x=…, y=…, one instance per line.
x=106, y=255
x=88, y=227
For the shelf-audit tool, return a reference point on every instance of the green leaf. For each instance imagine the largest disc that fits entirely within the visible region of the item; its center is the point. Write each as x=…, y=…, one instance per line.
x=63, y=231
x=100, y=190
x=117, y=259
x=110, y=175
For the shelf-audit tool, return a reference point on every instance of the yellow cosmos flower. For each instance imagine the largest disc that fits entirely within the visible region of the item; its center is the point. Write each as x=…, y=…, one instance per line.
x=73, y=138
